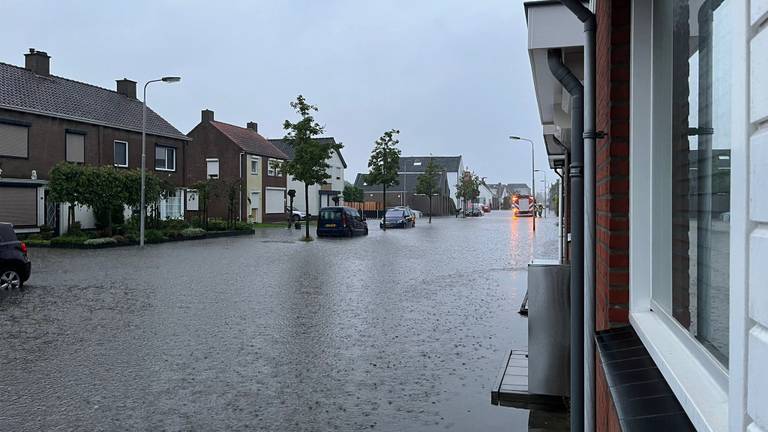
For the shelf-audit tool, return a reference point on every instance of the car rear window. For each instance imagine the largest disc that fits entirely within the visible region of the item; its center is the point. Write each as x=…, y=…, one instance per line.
x=330, y=214
x=395, y=213
x=6, y=233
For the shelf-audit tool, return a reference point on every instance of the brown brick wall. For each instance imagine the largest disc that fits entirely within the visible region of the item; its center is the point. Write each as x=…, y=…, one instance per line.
x=612, y=186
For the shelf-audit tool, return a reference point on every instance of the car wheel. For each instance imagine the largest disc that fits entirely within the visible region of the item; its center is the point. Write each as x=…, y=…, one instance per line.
x=350, y=233
x=366, y=231
x=295, y=218
x=10, y=279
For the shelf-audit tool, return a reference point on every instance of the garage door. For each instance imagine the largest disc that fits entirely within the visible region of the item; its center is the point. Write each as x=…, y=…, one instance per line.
x=18, y=205
x=275, y=201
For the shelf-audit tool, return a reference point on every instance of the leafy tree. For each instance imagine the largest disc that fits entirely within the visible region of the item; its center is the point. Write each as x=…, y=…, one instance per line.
x=310, y=161
x=204, y=190
x=64, y=187
x=353, y=194
x=384, y=162
x=554, y=197
x=468, y=188
x=427, y=183
x=231, y=194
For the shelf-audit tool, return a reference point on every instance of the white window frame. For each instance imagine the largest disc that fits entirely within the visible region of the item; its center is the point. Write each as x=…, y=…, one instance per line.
x=258, y=163
x=114, y=155
x=218, y=168
x=273, y=171
x=698, y=380
x=255, y=204
x=165, y=148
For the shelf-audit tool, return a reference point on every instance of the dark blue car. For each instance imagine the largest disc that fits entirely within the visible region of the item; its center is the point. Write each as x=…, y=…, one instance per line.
x=340, y=222
x=15, y=267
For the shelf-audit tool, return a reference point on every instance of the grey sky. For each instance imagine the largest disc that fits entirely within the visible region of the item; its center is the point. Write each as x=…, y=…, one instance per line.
x=452, y=75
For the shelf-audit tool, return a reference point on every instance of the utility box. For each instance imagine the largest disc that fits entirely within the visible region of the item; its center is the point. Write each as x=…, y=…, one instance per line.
x=549, y=329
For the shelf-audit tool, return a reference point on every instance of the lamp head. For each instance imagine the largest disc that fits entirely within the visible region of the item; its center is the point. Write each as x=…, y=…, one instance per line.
x=170, y=79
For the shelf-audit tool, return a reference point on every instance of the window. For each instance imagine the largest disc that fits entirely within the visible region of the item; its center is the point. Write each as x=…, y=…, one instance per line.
x=699, y=141
x=255, y=161
x=121, y=153
x=275, y=200
x=274, y=168
x=212, y=168
x=75, y=147
x=14, y=140
x=165, y=158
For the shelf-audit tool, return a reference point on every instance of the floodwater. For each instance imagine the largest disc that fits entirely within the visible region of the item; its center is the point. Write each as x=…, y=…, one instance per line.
x=403, y=330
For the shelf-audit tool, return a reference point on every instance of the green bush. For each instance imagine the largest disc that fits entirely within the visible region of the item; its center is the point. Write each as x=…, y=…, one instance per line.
x=102, y=216
x=193, y=233
x=37, y=242
x=75, y=229
x=243, y=226
x=100, y=241
x=217, y=225
x=46, y=232
x=174, y=224
x=69, y=239
x=154, y=236
x=120, y=239
x=34, y=237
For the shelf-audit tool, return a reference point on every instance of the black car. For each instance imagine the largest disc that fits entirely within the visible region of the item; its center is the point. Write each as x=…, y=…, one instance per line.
x=15, y=266
x=402, y=217
x=340, y=221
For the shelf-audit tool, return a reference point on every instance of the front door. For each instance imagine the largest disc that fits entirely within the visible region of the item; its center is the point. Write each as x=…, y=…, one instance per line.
x=255, y=206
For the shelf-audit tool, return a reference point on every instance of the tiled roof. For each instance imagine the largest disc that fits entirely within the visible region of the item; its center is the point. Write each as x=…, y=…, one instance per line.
x=419, y=163
x=285, y=146
x=23, y=90
x=249, y=140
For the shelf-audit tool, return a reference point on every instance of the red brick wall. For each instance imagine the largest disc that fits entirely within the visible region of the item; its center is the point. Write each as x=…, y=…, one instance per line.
x=612, y=164
x=612, y=186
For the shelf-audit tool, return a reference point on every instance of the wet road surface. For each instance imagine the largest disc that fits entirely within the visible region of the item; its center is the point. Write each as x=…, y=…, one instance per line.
x=397, y=331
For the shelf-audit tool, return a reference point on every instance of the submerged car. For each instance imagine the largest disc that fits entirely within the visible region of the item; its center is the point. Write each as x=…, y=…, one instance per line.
x=15, y=267
x=340, y=222
x=399, y=217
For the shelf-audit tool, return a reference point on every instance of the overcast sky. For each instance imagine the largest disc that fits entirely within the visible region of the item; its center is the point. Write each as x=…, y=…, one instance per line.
x=452, y=75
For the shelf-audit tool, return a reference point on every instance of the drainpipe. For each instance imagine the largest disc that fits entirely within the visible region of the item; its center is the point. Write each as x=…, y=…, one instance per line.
x=240, y=188
x=590, y=135
x=576, y=90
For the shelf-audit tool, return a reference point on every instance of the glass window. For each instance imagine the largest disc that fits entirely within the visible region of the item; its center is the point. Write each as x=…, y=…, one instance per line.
x=255, y=165
x=165, y=158
x=121, y=153
x=75, y=147
x=700, y=140
x=212, y=168
x=274, y=168
x=14, y=140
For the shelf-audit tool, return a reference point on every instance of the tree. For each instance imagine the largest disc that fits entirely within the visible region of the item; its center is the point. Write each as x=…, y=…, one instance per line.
x=384, y=163
x=204, y=189
x=468, y=188
x=64, y=187
x=352, y=193
x=231, y=194
x=310, y=161
x=554, y=197
x=427, y=183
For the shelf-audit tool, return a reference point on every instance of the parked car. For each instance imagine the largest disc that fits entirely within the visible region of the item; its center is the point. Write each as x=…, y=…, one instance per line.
x=486, y=208
x=296, y=215
x=474, y=211
x=398, y=217
x=15, y=267
x=341, y=221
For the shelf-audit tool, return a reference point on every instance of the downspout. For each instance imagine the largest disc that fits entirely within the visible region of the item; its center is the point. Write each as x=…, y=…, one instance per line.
x=590, y=135
x=576, y=90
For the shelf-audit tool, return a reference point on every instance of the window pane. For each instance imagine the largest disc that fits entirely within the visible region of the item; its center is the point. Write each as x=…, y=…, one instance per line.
x=170, y=159
x=160, y=156
x=75, y=147
x=701, y=171
x=13, y=140
x=121, y=153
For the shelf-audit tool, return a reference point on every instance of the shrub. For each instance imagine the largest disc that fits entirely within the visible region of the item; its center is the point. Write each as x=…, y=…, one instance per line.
x=37, y=242
x=34, y=237
x=154, y=236
x=100, y=241
x=217, y=225
x=120, y=239
x=46, y=232
x=243, y=226
x=174, y=224
x=75, y=229
x=193, y=233
x=68, y=239
x=172, y=234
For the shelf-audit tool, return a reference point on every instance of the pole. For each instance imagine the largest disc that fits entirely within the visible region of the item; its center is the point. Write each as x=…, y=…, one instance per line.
x=143, y=165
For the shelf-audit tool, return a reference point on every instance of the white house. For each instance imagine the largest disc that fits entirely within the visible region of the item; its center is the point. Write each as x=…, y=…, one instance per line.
x=319, y=195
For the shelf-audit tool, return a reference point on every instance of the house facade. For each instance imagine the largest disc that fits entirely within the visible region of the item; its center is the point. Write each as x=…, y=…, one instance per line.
x=46, y=119
x=452, y=165
x=404, y=194
x=320, y=195
x=239, y=157
x=673, y=262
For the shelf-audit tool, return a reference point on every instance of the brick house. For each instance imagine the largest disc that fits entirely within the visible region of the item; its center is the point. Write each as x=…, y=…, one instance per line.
x=45, y=119
x=239, y=154
x=677, y=333
x=404, y=193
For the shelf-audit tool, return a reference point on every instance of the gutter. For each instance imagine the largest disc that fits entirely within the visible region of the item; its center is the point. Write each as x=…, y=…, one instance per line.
x=576, y=90
x=583, y=411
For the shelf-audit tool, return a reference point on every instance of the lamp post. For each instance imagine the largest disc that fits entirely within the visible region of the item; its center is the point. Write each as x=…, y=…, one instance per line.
x=168, y=79
x=533, y=170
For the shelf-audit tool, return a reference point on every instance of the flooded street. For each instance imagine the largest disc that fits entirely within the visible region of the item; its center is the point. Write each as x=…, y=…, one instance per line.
x=398, y=331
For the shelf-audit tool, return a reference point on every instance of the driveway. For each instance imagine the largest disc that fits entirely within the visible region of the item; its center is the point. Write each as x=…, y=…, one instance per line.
x=400, y=330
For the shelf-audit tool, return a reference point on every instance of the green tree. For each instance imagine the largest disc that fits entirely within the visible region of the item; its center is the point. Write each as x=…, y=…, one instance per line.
x=204, y=190
x=468, y=188
x=64, y=187
x=427, y=183
x=352, y=193
x=310, y=161
x=384, y=163
x=554, y=197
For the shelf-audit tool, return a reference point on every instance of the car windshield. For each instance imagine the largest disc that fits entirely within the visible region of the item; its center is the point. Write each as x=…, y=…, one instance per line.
x=395, y=213
x=330, y=214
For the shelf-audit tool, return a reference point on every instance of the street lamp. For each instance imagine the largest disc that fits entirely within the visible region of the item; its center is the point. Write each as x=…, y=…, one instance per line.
x=168, y=79
x=533, y=182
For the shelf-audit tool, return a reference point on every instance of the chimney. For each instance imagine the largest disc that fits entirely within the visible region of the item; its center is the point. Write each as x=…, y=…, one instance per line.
x=207, y=115
x=127, y=87
x=38, y=62
x=253, y=126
